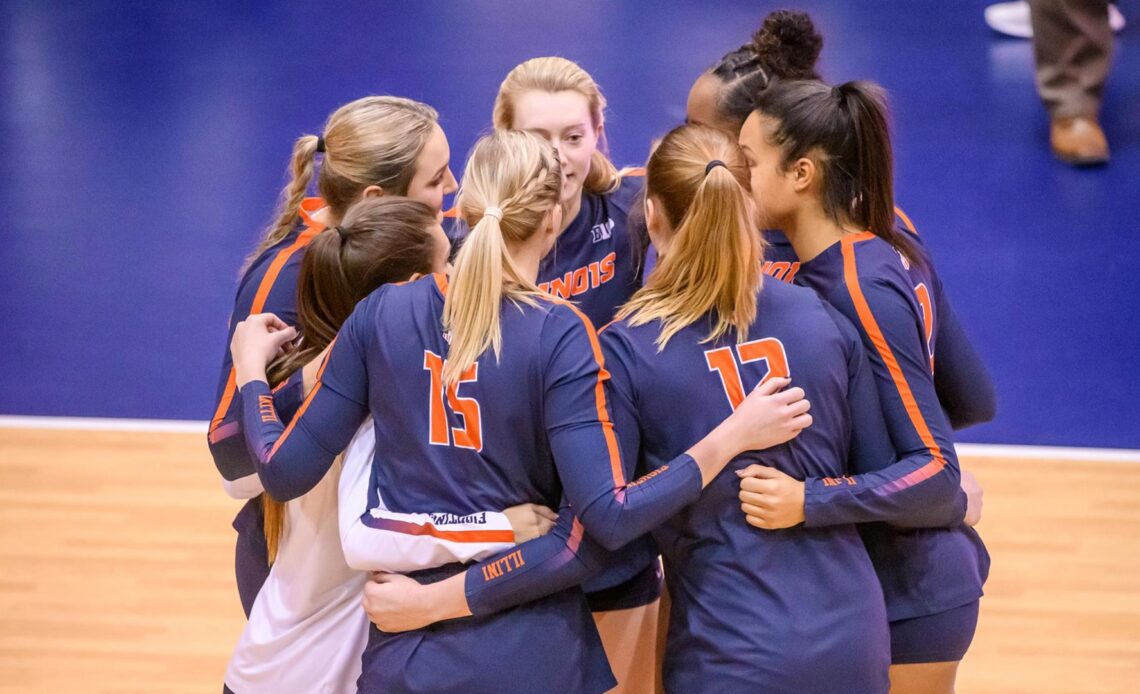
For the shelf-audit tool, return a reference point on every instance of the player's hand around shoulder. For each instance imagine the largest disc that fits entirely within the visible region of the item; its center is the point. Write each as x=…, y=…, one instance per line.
x=257, y=341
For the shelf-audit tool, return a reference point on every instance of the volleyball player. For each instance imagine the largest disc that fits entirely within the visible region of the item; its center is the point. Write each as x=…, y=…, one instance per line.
x=821, y=163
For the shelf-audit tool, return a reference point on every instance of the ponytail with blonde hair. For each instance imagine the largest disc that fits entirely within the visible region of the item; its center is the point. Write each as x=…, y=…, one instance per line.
x=371, y=141
x=511, y=183
x=553, y=74
x=700, y=180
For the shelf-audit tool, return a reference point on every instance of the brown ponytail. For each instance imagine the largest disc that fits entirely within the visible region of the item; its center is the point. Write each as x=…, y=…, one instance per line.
x=700, y=179
x=380, y=240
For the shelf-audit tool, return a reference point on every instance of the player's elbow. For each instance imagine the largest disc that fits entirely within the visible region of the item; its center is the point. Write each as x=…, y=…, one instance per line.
x=608, y=533
x=279, y=490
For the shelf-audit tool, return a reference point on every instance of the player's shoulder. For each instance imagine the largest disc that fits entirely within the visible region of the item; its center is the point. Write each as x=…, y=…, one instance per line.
x=628, y=190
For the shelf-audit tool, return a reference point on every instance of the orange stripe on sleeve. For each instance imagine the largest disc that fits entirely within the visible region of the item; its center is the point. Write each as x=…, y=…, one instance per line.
x=308, y=205
x=851, y=277
x=304, y=405
x=600, y=397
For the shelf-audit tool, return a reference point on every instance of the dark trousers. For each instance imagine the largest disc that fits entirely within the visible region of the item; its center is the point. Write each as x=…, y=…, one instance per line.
x=1072, y=44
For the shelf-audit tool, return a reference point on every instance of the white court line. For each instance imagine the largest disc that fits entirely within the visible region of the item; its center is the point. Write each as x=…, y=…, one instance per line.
x=994, y=450
x=974, y=450
x=174, y=426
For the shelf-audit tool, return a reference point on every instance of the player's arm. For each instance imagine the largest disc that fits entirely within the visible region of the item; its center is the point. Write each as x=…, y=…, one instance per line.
x=539, y=568
x=961, y=379
x=871, y=447
x=922, y=486
x=291, y=460
x=560, y=559
x=375, y=538
x=269, y=293
x=586, y=450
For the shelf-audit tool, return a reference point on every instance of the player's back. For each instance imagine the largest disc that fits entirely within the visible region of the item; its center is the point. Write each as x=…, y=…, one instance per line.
x=795, y=609
x=478, y=445
x=482, y=444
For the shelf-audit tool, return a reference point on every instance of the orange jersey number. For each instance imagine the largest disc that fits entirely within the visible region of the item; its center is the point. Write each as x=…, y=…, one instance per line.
x=923, y=295
x=722, y=361
x=470, y=435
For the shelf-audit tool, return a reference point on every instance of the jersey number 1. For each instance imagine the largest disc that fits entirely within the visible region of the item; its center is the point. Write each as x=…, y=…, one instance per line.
x=722, y=361
x=440, y=433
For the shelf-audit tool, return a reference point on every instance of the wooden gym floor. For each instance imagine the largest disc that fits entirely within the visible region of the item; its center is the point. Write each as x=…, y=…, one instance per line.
x=116, y=569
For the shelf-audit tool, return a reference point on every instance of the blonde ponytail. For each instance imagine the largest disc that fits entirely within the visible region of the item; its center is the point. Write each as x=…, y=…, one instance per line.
x=371, y=141
x=511, y=183
x=700, y=179
x=301, y=167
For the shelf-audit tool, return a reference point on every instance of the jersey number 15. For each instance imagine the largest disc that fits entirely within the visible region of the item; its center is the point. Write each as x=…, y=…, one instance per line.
x=440, y=432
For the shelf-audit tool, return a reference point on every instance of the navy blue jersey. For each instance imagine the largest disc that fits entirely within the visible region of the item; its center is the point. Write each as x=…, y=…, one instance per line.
x=792, y=610
x=269, y=285
x=894, y=305
x=596, y=261
x=965, y=388
x=531, y=426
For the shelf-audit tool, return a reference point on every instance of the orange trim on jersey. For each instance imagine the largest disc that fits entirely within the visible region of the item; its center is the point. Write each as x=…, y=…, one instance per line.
x=312, y=228
x=851, y=277
x=600, y=396
x=575, y=539
x=906, y=220
x=419, y=529
x=452, y=213
x=308, y=207
x=440, y=281
x=304, y=405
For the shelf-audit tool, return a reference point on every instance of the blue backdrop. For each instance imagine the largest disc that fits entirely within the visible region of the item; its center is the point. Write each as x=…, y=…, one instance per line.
x=144, y=145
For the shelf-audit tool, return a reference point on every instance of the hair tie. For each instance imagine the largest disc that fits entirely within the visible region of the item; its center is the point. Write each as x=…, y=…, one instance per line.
x=341, y=233
x=320, y=144
x=713, y=164
x=493, y=211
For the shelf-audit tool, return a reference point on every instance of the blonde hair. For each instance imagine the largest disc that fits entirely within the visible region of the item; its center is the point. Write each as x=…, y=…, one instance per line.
x=553, y=74
x=371, y=141
x=517, y=173
x=713, y=263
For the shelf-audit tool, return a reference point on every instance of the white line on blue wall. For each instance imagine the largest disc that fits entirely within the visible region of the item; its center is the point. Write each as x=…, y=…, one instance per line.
x=177, y=426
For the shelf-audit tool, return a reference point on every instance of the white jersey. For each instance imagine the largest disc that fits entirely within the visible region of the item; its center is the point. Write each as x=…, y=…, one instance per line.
x=307, y=630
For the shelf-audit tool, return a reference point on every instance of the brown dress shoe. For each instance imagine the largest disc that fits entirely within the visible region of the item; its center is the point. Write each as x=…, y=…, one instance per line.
x=1078, y=141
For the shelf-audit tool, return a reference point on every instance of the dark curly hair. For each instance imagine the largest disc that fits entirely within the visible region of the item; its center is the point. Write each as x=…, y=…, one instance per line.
x=785, y=47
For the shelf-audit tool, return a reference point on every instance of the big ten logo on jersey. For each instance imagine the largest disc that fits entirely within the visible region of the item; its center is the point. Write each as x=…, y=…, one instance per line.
x=781, y=270
x=603, y=231
x=583, y=279
x=440, y=432
x=927, y=306
x=764, y=358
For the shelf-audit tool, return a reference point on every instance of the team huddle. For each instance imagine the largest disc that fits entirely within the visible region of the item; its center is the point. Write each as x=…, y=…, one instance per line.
x=595, y=429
